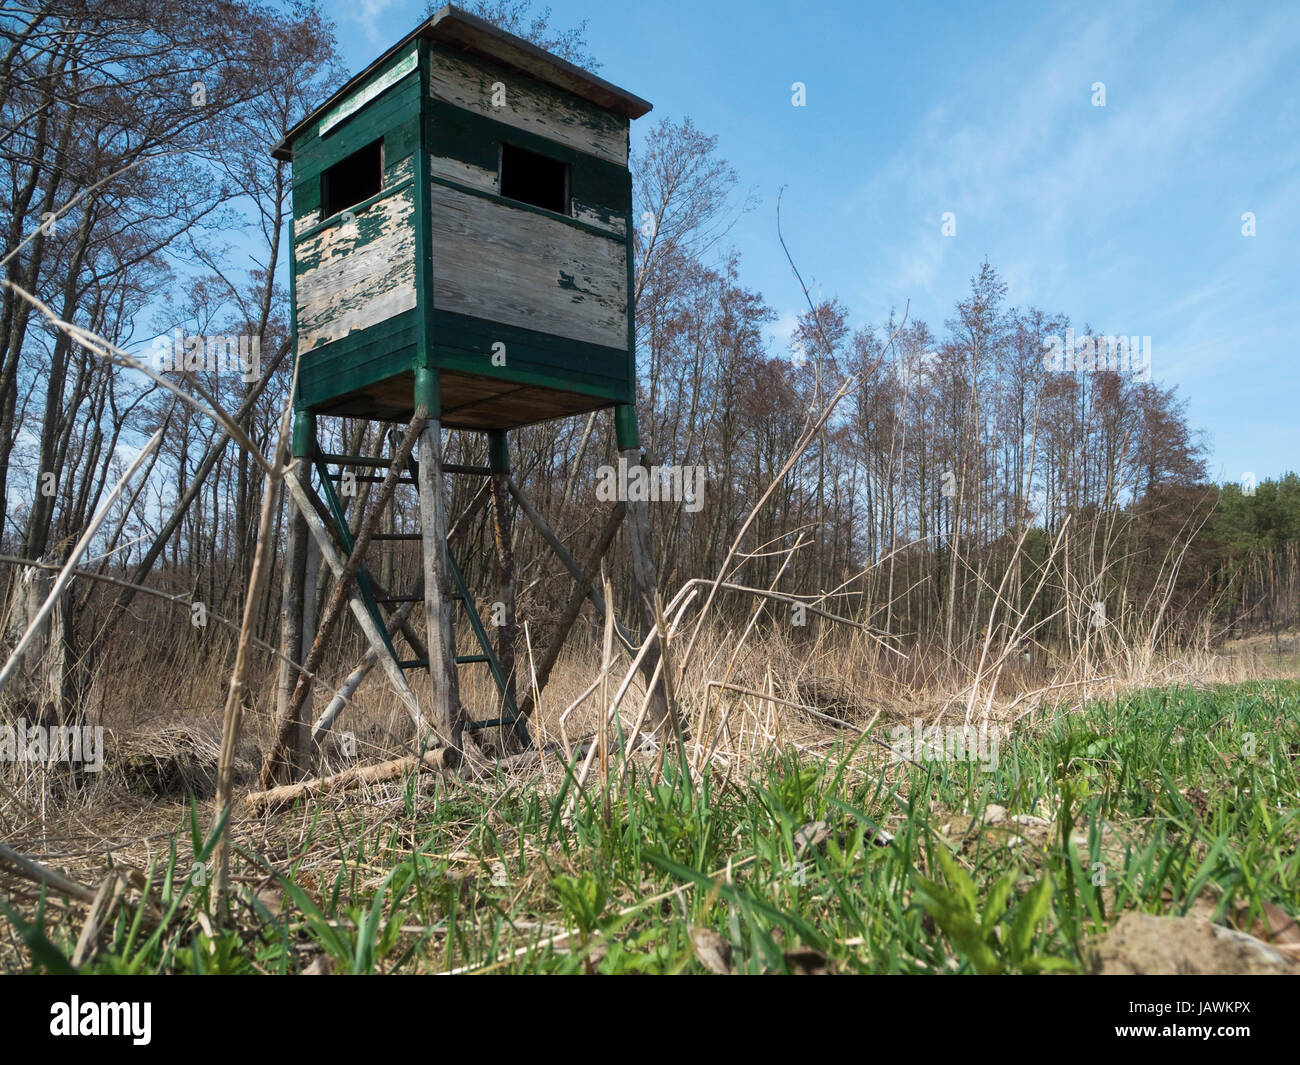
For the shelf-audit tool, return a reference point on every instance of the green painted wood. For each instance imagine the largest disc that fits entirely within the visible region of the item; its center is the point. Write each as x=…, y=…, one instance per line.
x=488, y=654
x=424, y=355
x=368, y=91
x=414, y=127
x=398, y=127
x=301, y=261
x=465, y=344
x=516, y=205
x=361, y=359
x=476, y=139
x=397, y=120
x=631, y=310
x=345, y=537
x=625, y=428
x=401, y=101
x=586, y=113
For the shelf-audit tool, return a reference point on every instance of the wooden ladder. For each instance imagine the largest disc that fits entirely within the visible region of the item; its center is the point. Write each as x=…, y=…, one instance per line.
x=509, y=715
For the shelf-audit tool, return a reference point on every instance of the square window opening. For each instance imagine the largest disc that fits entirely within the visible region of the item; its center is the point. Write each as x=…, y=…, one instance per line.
x=536, y=179
x=354, y=179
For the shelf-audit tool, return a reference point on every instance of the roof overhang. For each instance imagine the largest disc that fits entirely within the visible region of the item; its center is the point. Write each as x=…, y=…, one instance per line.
x=450, y=25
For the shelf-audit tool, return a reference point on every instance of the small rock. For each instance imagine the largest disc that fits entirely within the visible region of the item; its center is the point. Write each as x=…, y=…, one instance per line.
x=810, y=835
x=994, y=814
x=1144, y=943
x=711, y=950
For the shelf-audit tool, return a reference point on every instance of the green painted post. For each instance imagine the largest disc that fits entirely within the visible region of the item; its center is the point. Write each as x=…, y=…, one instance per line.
x=498, y=452
x=629, y=438
x=427, y=391
x=304, y=434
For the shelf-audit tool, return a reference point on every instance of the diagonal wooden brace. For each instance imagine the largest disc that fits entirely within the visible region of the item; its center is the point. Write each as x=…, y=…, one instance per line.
x=574, y=606
x=337, y=564
x=276, y=763
x=397, y=622
x=570, y=563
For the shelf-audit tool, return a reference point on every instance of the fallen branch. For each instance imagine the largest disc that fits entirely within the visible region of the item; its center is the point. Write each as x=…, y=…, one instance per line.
x=260, y=802
x=41, y=874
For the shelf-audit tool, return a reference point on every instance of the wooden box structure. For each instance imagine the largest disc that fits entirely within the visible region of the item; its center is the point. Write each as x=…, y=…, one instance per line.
x=462, y=258
x=463, y=205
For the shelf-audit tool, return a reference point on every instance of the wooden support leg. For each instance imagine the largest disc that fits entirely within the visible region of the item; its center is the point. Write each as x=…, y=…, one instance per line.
x=643, y=568
x=386, y=550
x=502, y=537
x=447, y=714
x=306, y=753
x=291, y=630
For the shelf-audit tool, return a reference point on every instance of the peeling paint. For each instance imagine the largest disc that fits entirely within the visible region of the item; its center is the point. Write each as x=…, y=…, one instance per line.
x=499, y=263
x=356, y=274
x=529, y=105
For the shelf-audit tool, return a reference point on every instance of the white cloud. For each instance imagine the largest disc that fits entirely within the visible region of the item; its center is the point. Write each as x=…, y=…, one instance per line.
x=367, y=14
x=781, y=332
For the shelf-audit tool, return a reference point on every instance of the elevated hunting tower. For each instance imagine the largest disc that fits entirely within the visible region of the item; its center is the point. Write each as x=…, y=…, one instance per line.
x=461, y=258
x=463, y=206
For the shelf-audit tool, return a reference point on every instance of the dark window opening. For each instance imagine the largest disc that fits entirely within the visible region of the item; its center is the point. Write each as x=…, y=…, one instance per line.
x=532, y=178
x=356, y=178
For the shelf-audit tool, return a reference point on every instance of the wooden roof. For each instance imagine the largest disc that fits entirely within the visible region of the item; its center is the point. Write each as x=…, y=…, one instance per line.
x=454, y=26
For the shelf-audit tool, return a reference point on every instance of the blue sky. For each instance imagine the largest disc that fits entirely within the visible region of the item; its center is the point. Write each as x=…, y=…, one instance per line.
x=1126, y=217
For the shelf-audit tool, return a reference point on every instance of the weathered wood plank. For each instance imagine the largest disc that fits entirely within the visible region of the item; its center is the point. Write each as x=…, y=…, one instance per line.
x=528, y=105
x=358, y=273
x=600, y=217
x=377, y=85
x=476, y=177
x=395, y=172
x=524, y=269
x=463, y=173
x=310, y=220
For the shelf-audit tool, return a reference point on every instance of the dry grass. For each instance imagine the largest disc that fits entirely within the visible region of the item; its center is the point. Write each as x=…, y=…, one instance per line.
x=738, y=703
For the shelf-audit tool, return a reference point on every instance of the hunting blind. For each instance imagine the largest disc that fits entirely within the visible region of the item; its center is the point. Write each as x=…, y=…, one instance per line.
x=461, y=258
x=463, y=206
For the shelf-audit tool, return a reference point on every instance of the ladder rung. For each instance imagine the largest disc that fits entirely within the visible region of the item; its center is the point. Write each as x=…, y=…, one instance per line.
x=371, y=478
x=383, y=464
x=423, y=663
x=357, y=460
x=408, y=598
